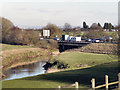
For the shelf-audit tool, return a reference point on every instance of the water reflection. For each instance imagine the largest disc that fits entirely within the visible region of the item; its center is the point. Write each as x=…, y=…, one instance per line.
x=25, y=71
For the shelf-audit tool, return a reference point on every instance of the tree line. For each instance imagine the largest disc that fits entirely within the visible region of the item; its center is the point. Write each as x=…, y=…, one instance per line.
x=17, y=36
x=98, y=26
x=14, y=35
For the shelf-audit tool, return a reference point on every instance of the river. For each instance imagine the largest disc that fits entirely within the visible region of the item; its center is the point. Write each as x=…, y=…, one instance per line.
x=25, y=71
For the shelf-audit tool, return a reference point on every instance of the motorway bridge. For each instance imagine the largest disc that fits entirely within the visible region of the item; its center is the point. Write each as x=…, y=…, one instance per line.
x=64, y=45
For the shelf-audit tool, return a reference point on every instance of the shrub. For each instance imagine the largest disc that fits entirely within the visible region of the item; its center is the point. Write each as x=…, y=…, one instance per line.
x=53, y=43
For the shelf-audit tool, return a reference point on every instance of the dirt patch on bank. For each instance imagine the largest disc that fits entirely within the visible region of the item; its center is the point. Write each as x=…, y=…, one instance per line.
x=51, y=70
x=55, y=53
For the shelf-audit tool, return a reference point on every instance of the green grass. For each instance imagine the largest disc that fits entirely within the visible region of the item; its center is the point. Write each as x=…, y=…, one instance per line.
x=102, y=64
x=76, y=58
x=52, y=80
x=11, y=47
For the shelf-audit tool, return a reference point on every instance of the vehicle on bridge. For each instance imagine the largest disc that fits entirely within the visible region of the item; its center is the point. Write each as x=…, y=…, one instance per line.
x=95, y=41
x=56, y=38
x=71, y=38
x=65, y=37
x=98, y=40
x=88, y=40
x=76, y=39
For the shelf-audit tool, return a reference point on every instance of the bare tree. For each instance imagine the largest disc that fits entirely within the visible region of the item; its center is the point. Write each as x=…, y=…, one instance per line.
x=67, y=27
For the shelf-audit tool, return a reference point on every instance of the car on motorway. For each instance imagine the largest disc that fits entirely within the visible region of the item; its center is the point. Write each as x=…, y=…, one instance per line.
x=95, y=41
x=88, y=40
x=98, y=40
x=56, y=38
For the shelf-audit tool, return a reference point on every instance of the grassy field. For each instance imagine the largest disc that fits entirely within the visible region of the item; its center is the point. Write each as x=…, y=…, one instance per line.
x=52, y=80
x=103, y=64
x=74, y=59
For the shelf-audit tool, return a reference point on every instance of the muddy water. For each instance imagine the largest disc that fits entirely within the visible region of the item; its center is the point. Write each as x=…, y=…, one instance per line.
x=25, y=71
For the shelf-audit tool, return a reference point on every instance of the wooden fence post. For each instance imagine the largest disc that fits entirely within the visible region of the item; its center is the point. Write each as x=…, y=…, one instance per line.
x=118, y=81
x=93, y=83
x=59, y=87
x=76, y=84
x=106, y=81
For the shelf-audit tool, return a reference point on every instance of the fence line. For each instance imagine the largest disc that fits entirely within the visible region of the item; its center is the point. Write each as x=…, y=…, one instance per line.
x=106, y=85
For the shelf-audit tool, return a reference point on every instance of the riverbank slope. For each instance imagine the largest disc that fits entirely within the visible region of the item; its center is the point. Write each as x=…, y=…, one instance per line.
x=16, y=55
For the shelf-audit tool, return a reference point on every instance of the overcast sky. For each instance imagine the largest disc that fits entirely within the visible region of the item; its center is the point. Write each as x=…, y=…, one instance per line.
x=34, y=13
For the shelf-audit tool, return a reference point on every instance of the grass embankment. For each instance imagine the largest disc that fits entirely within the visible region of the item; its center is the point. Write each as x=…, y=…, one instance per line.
x=79, y=59
x=13, y=55
x=100, y=48
x=52, y=80
x=103, y=64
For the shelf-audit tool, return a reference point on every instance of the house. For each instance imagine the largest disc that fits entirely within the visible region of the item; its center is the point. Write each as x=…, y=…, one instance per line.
x=46, y=33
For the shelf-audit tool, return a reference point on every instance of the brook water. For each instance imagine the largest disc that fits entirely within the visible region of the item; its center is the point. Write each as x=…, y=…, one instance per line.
x=25, y=71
